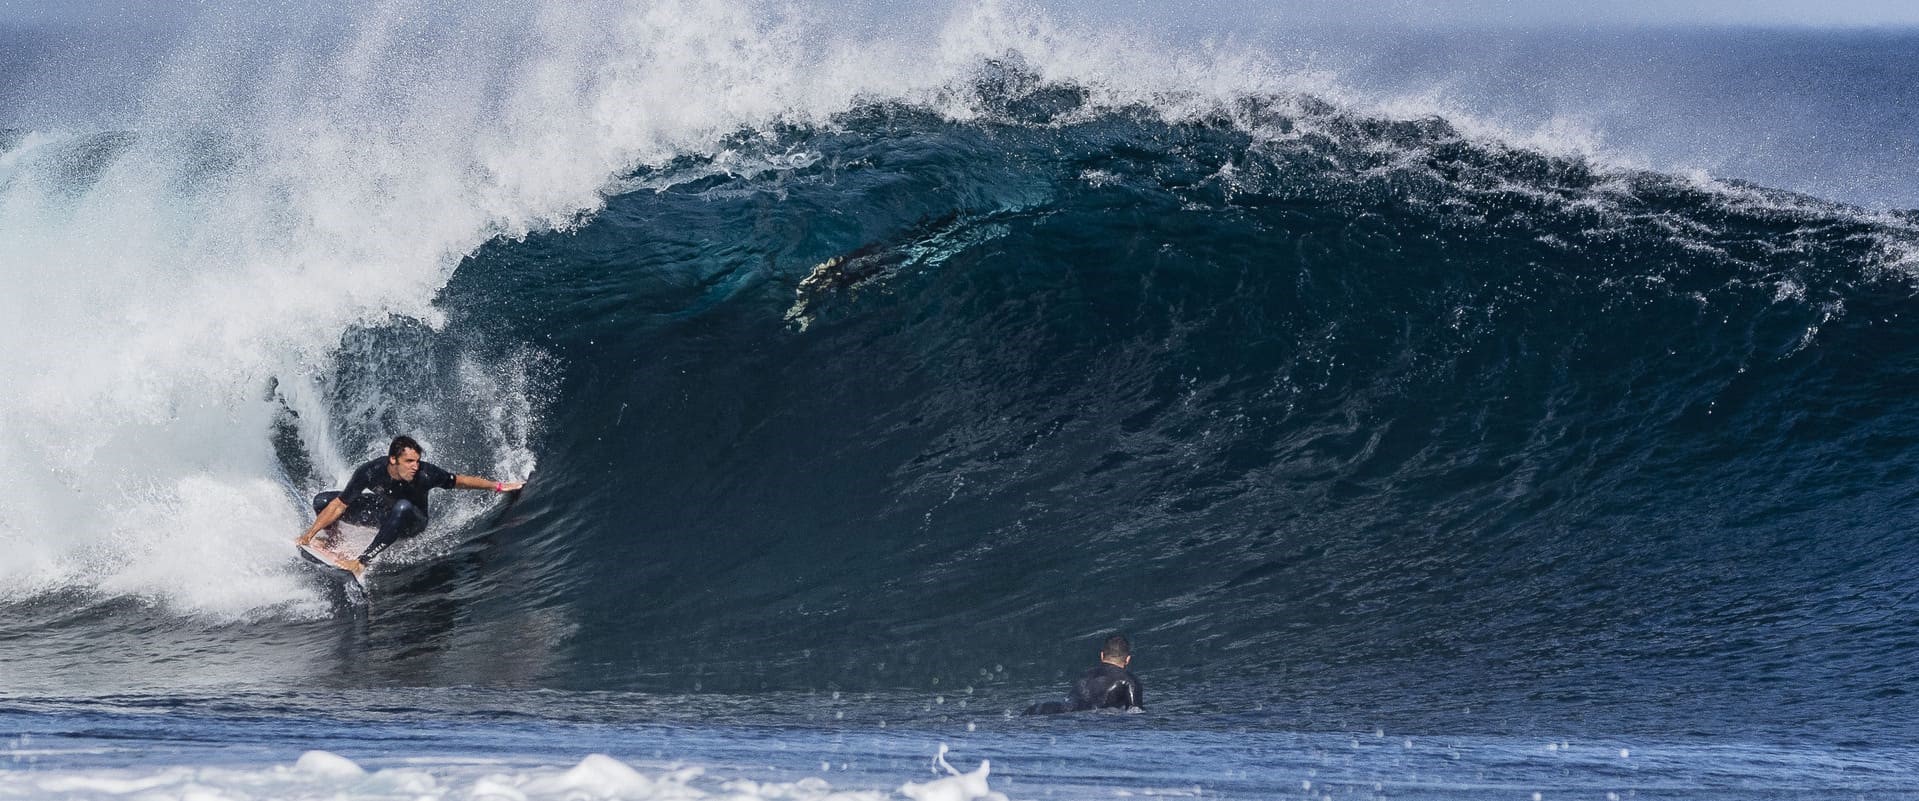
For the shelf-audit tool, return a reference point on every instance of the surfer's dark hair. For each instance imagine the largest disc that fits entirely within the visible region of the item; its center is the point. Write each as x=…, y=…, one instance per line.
x=1116, y=646
x=402, y=444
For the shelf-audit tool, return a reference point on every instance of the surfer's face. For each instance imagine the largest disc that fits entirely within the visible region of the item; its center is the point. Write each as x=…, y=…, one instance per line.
x=405, y=465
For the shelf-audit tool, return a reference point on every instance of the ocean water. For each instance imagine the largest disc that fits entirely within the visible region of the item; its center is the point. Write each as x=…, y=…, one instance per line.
x=1496, y=414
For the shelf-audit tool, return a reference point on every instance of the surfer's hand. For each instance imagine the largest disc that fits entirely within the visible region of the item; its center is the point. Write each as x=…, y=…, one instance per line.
x=508, y=486
x=304, y=539
x=353, y=565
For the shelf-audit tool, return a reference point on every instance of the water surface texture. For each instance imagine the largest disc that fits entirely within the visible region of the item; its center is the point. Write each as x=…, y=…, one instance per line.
x=1438, y=421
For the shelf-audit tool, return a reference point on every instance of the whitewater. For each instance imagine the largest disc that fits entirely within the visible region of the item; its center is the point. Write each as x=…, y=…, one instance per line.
x=1438, y=422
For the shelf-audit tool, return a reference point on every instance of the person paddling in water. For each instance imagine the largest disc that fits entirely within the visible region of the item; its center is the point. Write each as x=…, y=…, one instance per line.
x=390, y=493
x=1107, y=685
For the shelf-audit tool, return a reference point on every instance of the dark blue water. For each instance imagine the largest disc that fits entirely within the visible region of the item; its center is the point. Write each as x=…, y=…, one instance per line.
x=1415, y=462
x=1369, y=418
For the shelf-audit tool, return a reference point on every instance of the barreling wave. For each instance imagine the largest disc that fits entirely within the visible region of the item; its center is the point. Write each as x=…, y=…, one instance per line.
x=1345, y=404
x=923, y=382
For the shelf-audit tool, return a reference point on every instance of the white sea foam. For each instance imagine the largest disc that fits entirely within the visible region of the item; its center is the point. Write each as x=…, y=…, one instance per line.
x=322, y=775
x=954, y=786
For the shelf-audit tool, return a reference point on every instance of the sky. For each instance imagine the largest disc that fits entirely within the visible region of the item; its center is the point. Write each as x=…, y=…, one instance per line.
x=1901, y=13
x=1366, y=13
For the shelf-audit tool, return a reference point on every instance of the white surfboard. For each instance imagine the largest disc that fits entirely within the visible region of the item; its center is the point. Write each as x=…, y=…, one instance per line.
x=338, y=543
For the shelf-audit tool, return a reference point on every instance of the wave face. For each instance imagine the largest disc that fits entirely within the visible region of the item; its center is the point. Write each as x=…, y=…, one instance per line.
x=1319, y=406
x=927, y=378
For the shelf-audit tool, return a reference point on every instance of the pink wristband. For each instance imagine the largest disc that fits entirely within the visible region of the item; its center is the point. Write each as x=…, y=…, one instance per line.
x=499, y=486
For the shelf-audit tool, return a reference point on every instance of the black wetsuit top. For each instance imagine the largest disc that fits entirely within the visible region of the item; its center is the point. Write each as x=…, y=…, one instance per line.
x=1107, y=686
x=372, y=489
x=1103, y=686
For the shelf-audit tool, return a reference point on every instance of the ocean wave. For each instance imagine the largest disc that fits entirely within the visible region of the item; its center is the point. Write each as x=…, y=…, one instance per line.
x=823, y=360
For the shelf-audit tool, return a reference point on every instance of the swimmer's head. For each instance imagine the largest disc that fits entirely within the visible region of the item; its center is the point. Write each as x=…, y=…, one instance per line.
x=1116, y=650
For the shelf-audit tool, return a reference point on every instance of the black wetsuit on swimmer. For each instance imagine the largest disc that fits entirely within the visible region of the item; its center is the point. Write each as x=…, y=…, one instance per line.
x=1104, y=686
x=374, y=498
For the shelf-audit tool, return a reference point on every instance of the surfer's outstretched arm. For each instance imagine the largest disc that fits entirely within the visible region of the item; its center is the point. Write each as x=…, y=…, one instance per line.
x=327, y=517
x=477, y=482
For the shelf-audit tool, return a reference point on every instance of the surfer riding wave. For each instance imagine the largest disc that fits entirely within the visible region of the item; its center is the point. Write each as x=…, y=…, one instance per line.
x=389, y=493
